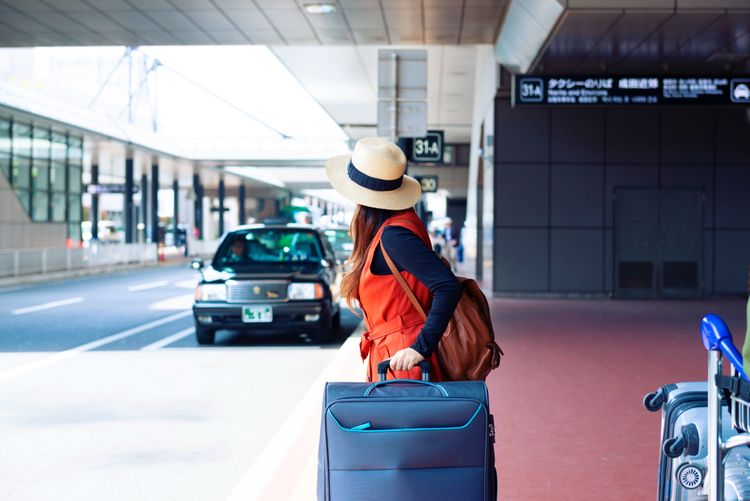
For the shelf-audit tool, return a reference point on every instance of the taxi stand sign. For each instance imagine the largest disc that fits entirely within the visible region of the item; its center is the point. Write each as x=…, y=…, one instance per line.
x=428, y=148
x=630, y=90
x=429, y=184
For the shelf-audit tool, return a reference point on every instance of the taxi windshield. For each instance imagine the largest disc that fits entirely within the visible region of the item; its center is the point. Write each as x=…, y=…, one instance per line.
x=339, y=239
x=270, y=247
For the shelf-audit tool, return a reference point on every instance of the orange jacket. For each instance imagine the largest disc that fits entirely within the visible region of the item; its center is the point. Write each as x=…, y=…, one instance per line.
x=391, y=320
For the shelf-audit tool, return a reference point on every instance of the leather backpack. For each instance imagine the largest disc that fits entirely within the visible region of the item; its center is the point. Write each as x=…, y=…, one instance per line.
x=467, y=350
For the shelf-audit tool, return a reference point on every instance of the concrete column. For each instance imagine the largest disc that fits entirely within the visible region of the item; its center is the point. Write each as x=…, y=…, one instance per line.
x=127, y=205
x=221, y=207
x=241, y=205
x=95, y=203
x=198, y=206
x=143, y=219
x=175, y=211
x=154, y=208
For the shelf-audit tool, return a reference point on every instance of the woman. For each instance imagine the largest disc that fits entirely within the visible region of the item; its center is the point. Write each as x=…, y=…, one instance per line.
x=373, y=177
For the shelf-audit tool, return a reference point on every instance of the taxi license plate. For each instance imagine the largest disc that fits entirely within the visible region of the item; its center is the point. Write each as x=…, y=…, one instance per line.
x=257, y=314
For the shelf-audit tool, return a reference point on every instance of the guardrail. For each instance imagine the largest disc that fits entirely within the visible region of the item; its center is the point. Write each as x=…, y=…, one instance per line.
x=18, y=262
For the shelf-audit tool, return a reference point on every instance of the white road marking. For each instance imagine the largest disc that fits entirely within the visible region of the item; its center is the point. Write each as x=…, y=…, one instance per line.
x=72, y=352
x=267, y=463
x=184, y=302
x=169, y=339
x=46, y=306
x=186, y=284
x=152, y=285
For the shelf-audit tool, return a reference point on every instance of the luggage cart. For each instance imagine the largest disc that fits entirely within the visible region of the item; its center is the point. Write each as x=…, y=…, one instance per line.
x=735, y=390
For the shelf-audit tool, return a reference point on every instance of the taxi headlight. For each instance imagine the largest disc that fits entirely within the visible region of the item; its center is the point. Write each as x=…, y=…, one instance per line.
x=211, y=292
x=305, y=291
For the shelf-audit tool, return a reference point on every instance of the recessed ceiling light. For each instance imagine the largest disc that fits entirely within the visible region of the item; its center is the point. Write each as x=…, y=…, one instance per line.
x=320, y=8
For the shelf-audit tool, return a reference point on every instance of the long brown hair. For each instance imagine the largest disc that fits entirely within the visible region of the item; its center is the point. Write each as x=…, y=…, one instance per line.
x=365, y=225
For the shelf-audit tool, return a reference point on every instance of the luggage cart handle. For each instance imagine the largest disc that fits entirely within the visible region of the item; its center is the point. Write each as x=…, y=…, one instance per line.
x=386, y=364
x=717, y=337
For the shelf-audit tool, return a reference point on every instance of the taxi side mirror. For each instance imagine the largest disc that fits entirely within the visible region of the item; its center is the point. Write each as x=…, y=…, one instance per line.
x=196, y=264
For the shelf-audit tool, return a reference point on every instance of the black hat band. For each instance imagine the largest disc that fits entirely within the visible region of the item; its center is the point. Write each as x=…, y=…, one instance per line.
x=372, y=183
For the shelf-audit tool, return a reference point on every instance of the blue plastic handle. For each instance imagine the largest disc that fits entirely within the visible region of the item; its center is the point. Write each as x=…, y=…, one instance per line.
x=716, y=336
x=404, y=381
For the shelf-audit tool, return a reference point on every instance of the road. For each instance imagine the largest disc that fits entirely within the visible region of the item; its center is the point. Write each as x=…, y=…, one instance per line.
x=106, y=394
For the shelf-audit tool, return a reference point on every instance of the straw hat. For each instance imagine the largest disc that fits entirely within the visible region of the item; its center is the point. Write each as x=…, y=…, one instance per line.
x=374, y=175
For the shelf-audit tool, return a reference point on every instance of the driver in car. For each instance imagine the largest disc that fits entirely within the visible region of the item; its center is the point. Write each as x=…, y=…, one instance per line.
x=237, y=252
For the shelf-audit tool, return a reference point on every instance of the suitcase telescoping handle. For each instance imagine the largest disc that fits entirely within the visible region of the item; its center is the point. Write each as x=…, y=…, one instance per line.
x=386, y=364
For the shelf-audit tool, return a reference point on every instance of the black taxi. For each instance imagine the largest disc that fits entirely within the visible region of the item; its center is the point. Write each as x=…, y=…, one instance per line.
x=269, y=279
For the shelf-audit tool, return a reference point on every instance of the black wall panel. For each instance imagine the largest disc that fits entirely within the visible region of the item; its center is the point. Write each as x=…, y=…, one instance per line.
x=555, y=174
x=577, y=135
x=521, y=260
x=577, y=198
x=576, y=260
x=687, y=135
x=521, y=135
x=692, y=176
x=732, y=261
x=632, y=135
x=732, y=136
x=522, y=195
x=733, y=196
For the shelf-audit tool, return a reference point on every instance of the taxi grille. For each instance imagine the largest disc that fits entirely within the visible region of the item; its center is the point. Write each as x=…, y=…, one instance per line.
x=243, y=292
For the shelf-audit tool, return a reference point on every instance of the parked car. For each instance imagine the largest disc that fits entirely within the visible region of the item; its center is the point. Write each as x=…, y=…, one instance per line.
x=269, y=279
x=341, y=242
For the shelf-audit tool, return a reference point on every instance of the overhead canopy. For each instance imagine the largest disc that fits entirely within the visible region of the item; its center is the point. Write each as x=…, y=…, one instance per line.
x=625, y=36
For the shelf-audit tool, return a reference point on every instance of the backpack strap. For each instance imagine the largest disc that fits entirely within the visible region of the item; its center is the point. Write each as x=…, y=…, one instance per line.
x=402, y=283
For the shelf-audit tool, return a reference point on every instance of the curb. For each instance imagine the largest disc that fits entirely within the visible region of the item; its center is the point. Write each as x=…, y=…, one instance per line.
x=287, y=466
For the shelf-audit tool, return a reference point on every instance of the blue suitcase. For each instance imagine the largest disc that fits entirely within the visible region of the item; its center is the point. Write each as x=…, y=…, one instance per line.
x=406, y=440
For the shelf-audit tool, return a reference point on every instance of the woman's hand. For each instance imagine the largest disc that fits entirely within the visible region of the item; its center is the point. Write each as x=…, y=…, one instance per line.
x=405, y=359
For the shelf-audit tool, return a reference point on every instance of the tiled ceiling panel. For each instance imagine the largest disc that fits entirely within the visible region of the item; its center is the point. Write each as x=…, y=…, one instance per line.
x=285, y=22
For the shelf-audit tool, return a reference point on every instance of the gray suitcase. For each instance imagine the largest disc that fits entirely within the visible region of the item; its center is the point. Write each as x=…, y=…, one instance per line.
x=684, y=445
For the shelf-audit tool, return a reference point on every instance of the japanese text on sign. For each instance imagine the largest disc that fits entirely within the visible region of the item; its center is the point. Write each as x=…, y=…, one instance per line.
x=637, y=90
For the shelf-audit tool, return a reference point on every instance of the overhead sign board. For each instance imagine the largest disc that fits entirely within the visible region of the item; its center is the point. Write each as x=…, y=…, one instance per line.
x=429, y=148
x=630, y=90
x=402, y=93
x=107, y=189
x=429, y=184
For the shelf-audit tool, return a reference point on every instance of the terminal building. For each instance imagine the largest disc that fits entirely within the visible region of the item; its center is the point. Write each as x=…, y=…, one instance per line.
x=592, y=148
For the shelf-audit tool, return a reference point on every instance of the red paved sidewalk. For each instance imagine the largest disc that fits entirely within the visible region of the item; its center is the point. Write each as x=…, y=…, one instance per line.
x=567, y=396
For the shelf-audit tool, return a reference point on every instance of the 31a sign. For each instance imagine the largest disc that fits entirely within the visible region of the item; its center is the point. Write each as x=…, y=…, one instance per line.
x=429, y=184
x=427, y=149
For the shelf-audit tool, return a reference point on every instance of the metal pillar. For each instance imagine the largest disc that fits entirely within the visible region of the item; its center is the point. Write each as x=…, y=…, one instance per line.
x=127, y=206
x=241, y=197
x=715, y=453
x=198, y=206
x=94, y=203
x=394, y=102
x=143, y=219
x=221, y=207
x=175, y=212
x=154, y=230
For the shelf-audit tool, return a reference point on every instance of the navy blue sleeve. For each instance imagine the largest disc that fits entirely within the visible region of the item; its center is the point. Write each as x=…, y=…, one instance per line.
x=409, y=253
